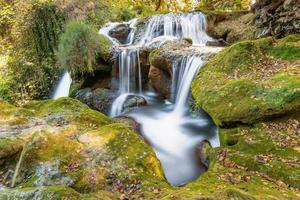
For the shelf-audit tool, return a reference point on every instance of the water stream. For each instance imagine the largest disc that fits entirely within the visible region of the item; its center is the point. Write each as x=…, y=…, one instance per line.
x=169, y=126
x=63, y=86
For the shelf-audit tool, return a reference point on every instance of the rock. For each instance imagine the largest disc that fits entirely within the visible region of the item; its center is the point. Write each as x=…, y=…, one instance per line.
x=162, y=60
x=134, y=101
x=202, y=152
x=51, y=192
x=217, y=43
x=131, y=123
x=120, y=32
x=277, y=18
x=230, y=26
x=160, y=81
x=99, y=99
x=10, y=147
x=250, y=81
x=82, y=154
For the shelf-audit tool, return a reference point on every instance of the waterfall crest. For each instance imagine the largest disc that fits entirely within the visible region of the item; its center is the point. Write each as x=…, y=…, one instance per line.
x=184, y=25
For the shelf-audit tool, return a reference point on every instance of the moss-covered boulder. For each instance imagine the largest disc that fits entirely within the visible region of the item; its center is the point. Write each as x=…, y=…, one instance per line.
x=250, y=81
x=64, y=143
x=61, y=149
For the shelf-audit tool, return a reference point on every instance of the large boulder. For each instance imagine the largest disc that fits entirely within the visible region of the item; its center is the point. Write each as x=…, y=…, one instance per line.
x=67, y=144
x=256, y=80
x=278, y=18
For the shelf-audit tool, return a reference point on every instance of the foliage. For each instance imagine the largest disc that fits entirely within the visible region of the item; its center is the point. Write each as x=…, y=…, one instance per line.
x=79, y=48
x=224, y=5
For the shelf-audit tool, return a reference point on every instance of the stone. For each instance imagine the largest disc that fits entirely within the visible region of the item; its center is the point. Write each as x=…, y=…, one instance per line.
x=277, y=18
x=99, y=99
x=160, y=81
x=134, y=101
x=202, y=152
x=257, y=80
x=120, y=32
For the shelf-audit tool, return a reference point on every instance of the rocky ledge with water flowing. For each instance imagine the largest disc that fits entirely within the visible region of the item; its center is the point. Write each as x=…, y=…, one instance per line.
x=221, y=123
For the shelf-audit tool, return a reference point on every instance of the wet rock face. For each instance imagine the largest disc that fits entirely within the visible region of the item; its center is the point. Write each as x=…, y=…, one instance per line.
x=120, y=32
x=279, y=18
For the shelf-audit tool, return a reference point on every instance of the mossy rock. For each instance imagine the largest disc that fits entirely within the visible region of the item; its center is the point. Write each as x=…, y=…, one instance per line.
x=245, y=83
x=73, y=151
x=74, y=146
x=51, y=192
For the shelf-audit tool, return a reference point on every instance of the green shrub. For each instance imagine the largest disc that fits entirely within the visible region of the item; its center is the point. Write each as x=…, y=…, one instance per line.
x=80, y=47
x=5, y=93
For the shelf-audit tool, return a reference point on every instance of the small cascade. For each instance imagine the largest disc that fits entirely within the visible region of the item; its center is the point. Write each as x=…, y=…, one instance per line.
x=184, y=75
x=63, y=87
x=171, y=130
x=109, y=26
x=184, y=25
x=130, y=78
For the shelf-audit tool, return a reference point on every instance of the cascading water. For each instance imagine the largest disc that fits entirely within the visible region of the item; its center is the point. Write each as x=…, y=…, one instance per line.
x=169, y=127
x=130, y=80
x=181, y=85
x=63, y=87
x=187, y=25
x=172, y=132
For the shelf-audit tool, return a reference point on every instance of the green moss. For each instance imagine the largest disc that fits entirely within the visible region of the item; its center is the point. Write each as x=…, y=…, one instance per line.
x=10, y=147
x=289, y=39
x=104, y=47
x=68, y=109
x=286, y=52
x=256, y=142
x=81, y=49
x=231, y=79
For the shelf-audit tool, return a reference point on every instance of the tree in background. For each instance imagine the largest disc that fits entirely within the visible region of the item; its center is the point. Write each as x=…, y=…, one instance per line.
x=224, y=5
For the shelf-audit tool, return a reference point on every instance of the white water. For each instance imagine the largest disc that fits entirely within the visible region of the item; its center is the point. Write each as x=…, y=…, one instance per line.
x=186, y=72
x=130, y=78
x=173, y=132
x=184, y=25
x=169, y=127
x=109, y=26
x=63, y=87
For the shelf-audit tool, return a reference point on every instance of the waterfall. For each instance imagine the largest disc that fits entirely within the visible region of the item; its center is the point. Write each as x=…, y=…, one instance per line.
x=63, y=87
x=184, y=25
x=170, y=129
x=130, y=78
x=183, y=77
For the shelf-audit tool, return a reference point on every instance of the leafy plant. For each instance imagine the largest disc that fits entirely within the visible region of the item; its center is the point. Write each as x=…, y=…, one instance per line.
x=79, y=48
